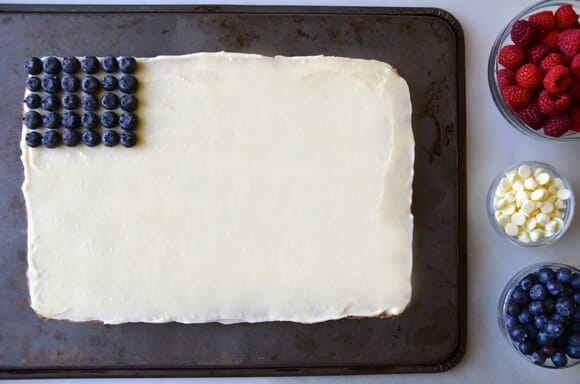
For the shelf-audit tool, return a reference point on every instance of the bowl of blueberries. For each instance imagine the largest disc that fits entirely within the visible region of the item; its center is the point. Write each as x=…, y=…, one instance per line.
x=539, y=314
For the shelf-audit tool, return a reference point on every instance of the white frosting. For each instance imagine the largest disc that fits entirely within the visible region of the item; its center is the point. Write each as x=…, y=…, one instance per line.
x=261, y=189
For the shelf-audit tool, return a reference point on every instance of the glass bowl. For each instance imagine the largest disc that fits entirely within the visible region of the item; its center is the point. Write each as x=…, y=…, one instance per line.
x=508, y=323
x=568, y=211
x=493, y=67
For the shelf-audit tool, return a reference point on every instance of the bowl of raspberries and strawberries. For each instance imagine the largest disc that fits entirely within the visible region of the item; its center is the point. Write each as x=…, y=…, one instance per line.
x=534, y=71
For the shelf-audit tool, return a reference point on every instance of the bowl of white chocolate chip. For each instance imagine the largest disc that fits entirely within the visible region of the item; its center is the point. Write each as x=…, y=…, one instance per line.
x=530, y=204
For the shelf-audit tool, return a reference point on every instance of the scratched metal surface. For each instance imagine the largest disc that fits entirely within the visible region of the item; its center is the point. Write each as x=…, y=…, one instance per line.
x=426, y=46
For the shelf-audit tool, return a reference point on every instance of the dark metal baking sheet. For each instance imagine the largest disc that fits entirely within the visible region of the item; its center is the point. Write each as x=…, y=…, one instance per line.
x=425, y=44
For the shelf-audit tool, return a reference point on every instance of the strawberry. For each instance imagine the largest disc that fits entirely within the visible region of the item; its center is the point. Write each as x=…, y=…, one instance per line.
x=575, y=119
x=543, y=21
x=523, y=33
x=517, y=97
x=529, y=76
x=537, y=52
x=552, y=60
x=531, y=115
x=575, y=66
x=556, y=126
x=566, y=17
x=550, y=39
x=552, y=105
x=506, y=77
x=569, y=41
x=511, y=56
x=558, y=79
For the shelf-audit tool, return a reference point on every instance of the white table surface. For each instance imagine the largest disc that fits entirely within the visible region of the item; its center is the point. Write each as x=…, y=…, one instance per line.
x=491, y=145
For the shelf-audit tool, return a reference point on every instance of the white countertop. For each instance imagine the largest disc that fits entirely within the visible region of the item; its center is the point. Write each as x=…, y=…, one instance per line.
x=491, y=145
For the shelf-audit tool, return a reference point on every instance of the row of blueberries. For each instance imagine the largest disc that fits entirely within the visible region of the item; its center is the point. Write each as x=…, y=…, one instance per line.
x=71, y=65
x=88, y=84
x=71, y=138
x=71, y=101
x=72, y=120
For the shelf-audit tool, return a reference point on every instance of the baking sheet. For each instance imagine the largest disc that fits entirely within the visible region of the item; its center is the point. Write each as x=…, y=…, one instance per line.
x=425, y=45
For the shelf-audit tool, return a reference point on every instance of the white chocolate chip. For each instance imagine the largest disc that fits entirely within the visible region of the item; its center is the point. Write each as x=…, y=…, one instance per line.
x=518, y=218
x=522, y=196
x=558, y=183
x=530, y=184
x=528, y=207
x=512, y=176
x=542, y=218
x=547, y=207
x=503, y=220
x=517, y=186
x=560, y=204
x=505, y=183
x=537, y=171
x=543, y=178
x=498, y=203
x=509, y=198
x=500, y=191
x=564, y=194
x=524, y=171
x=536, y=234
x=538, y=194
x=551, y=227
x=559, y=215
x=509, y=209
x=511, y=229
x=531, y=223
x=524, y=237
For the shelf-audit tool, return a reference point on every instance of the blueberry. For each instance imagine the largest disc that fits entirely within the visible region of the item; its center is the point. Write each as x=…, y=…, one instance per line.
x=532, y=331
x=520, y=296
x=51, y=65
x=128, y=84
x=70, y=101
x=524, y=317
x=128, y=103
x=51, y=120
x=540, y=321
x=536, y=308
x=518, y=333
x=110, y=101
x=546, y=274
x=50, y=84
x=559, y=359
x=89, y=120
x=71, y=138
x=109, y=83
x=548, y=305
x=559, y=318
x=109, y=119
x=575, y=282
x=528, y=282
x=90, y=64
x=527, y=347
x=544, y=339
x=510, y=321
x=554, y=287
x=70, y=83
x=71, y=64
x=127, y=64
x=567, y=291
x=71, y=120
x=573, y=351
x=32, y=119
x=33, y=84
x=90, y=84
x=33, y=139
x=51, y=139
x=575, y=296
x=549, y=350
x=109, y=64
x=110, y=138
x=50, y=102
x=538, y=292
x=128, y=121
x=32, y=101
x=538, y=357
x=90, y=102
x=129, y=139
x=574, y=339
x=91, y=138
x=33, y=65
x=565, y=306
x=512, y=308
x=555, y=328
x=564, y=275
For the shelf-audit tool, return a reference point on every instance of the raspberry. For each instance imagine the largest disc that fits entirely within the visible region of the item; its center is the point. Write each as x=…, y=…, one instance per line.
x=537, y=52
x=557, y=80
x=511, y=56
x=556, y=126
x=543, y=21
x=575, y=66
x=523, y=33
x=575, y=119
x=574, y=93
x=550, y=39
x=552, y=105
x=569, y=41
x=506, y=77
x=517, y=97
x=552, y=60
x=531, y=115
x=566, y=17
x=529, y=76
